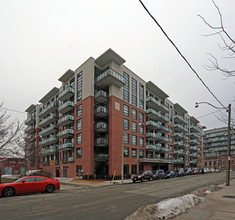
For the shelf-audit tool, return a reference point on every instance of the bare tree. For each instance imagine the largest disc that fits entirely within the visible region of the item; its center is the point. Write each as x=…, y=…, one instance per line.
x=12, y=142
x=227, y=46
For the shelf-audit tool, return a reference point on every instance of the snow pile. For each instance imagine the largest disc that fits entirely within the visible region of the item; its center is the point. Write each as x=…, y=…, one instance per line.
x=166, y=209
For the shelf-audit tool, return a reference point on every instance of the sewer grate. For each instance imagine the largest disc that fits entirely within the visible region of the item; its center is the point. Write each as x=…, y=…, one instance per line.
x=230, y=197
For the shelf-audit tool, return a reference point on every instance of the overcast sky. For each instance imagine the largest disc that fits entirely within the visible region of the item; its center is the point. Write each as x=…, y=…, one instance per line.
x=41, y=40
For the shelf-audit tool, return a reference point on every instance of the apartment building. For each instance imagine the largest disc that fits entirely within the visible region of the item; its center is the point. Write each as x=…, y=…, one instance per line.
x=103, y=113
x=215, y=148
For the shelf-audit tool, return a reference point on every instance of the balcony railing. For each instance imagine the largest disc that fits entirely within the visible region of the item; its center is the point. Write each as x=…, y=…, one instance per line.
x=179, y=152
x=180, y=119
x=193, y=155
x=178, y=135
x=66, y=133
x=101, y=96
x=30, y=129
x=66, y=107
x=194, y=128
x=180, y=128
x=51, y=150
x=71, y=159
x=157, y=126
x=179, y=160
x=193, y=147
x=66, y=146
x=101, y=157
x=153, y=103
x=194, y=136
x=109, y=77
x=66, y=94
x=194, y=142
x=48, y=130
x=101, y=142
x=101, y=111
x=156, y=147
x=50, y=108
x=66, y=120
x=48, y=120
x=30, y=120
x=47, y=141
x=179, y=144
x=157, y=116
x=101, y=126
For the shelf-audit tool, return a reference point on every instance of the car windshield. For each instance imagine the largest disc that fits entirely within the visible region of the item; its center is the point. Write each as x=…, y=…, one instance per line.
x=19, y=180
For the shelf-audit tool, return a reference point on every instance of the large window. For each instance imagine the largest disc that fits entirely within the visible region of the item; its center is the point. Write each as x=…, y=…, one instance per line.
x=134, y=126
x=141, y=129
x=134, y=92
x=79, y=124
x=126, y=138
x=141, y=153
x=125, y=124
x=141, y=141
x=79, y=152
x=134, y=113
x=141, y=117
x=133, y=169
x=126, y=152
x=134, y=153
x=126, y=87
x=134, y=140
x=79, y=86
x=141, y=96
x=125, y=110
x=79, y=138
x=79, y=110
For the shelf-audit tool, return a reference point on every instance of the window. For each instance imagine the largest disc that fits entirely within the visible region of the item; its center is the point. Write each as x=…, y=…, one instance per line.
x=29, y=180
x=141, y=96
x=126, y=87
x=79, y=124
x=40, y=179
x=133, y=169
x=126, y=152
x=141, y=117
x=141, y=167
x=79, y=170
x=141, y=129
x=79, y=110
x=72, y=83
x=126, y=138
x=141, y=153
x=134, y=153
x=79, y=152
x=125, y=110
x=79, y=86
x=134, y=92
x=125, y=124
x=134, y=140
x=141, y=141
x=134, y=113
x=79, y=138
x=134, y=126
x=126, y=169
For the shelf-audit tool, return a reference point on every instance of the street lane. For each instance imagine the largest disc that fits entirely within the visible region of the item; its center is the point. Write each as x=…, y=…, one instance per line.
x=110, y=202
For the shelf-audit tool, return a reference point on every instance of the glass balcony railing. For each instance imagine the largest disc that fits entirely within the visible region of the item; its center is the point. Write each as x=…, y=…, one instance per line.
x=180, y=152
x=67, y=106
x=48, y=109
x=68, y=119
x=101, y=157
x=193, y=155
x=180, y=119
x=30, y=129
x=179, y=144
x=30, y=120
x=101, y=141
x=66, y=146
x=48, y=120
x=193, y=147
x=156, y=147
x=194, y=128
x=157, y=126
x=71, y=159
x=194, y=142
x=179, y=160
x=66, y=133
x=180, y=128
x=47, y=141
x=178, y=135
x=157, y=115
x=48, y=130
x=66, y=93
x=50, y=150
x=194, y=135
x=156, y=104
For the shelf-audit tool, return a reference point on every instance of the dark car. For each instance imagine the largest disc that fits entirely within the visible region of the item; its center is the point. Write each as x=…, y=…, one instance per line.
x=179, y=173
x=169, y=174
x=146, y=175
x=158, y=174
x=188, y=172
x=29, y=184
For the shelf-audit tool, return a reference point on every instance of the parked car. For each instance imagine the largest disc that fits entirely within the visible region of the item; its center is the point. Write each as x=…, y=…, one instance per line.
x=146, y=175
x=212, y=170
x=169, y=174
x=158, y=174
x=179, y=173
x=29, y=184
x=195, y=171
x=207, y=170
x=188, y=172
x=201, y=171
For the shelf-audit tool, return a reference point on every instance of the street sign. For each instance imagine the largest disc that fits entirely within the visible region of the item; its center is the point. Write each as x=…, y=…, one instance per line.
x=52, y=162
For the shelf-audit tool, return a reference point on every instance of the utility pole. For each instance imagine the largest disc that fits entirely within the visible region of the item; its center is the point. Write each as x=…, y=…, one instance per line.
x=229, y=146
x=122, y=158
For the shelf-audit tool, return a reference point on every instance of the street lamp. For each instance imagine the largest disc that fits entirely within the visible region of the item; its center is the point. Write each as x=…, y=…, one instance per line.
x=228, y=109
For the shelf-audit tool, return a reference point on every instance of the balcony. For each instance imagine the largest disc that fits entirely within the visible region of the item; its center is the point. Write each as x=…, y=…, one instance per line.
x=193, y=148
x=195, y=129
x=66, y=94
x=66, y=107
x=66, y=133
x=179, y=160
x=71, y=159
x=101, y=111
x=157, y=137
x=155, y=160
x=155, y=104
x=30, y=120
x=180, y=120
x=193, y=155
x=50, y=150
x=49, y=109
x=101, y=127
x=194, y=142
x=152, y=125
x=109, y=77
x=193, y=161
x=101, y=142
x=101, y=96
x=179, y=144
x=47, y=141
x=66, y=146
x=156, y=116
x=49, y=120
x=179, y=152
x=194, y=136
x=66, y=120
x=155, y=147
x=101, y=157
x=30, y=129
x=180, y=128
x=49, y=130
x=179, y=136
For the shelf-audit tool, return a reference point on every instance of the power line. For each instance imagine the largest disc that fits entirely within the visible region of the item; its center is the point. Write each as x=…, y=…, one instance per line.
x=181, y=55
x=13, y=110
x=208, y=114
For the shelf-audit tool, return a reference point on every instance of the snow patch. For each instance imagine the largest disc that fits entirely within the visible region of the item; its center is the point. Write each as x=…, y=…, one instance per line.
x=166, y=209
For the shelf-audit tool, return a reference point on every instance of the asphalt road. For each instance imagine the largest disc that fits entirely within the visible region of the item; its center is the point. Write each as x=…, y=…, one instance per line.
x=109, y=202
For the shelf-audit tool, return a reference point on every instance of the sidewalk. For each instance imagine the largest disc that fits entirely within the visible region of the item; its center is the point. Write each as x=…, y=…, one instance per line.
x=217, y=205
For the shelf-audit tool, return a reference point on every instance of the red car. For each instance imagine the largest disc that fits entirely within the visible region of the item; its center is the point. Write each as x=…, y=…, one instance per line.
x=29, y=184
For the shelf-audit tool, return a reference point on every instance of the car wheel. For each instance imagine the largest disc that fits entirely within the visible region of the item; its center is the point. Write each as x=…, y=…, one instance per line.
x=142, y=179
x=150, y=178
x=133, y=181
x=50, y=189
x=9, y=191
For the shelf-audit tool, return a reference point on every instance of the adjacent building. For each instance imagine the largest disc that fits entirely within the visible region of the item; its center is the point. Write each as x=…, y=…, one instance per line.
x=103, y=113
x=215, y=148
